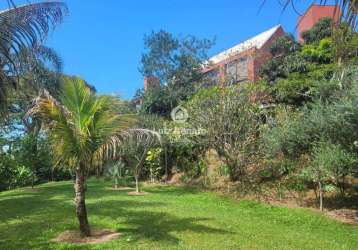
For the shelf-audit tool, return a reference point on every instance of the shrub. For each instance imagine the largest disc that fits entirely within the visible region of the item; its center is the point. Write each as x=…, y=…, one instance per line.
x=7, y=171
x=322, y=29
x=232, y=121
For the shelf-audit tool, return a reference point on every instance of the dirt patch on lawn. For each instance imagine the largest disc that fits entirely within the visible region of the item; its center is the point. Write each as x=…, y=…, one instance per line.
x=119, y=188
x=343, y=211
x=134, y=193
x=175, y=178
x=31, y=190
x=97, y=236
x=349, y=216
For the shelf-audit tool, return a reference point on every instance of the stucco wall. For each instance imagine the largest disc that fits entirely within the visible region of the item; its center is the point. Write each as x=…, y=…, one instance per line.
x=313, y=15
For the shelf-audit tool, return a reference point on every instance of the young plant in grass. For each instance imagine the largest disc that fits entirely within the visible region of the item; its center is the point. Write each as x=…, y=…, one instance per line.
x=136, y=144
x=115, y=172
x=329, y=164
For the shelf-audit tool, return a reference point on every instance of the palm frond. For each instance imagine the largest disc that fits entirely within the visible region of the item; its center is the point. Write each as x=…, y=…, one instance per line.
x=50, y=56
x=28, y=25
x=22, y=27
x=38, y=59
x=84, y=127
x=58, y=121
x=136, y=141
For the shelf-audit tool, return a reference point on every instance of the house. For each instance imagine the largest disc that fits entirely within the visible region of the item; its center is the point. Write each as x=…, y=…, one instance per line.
x=242, y=62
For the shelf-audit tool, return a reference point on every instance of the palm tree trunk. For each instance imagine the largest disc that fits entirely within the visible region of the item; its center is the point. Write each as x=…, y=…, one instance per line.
x=320, y=196
x=136, y=184
x=115, y=182
x=80, y=202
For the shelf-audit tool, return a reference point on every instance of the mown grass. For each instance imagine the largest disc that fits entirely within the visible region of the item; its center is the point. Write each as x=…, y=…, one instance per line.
x=167, y=218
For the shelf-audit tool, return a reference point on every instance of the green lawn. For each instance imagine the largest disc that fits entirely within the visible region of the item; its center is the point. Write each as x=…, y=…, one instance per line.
x=167, y=218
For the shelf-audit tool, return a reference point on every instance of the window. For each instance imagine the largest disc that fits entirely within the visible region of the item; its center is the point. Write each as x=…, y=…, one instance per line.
x=212, y=77
x=236, y=71
x=242, y=70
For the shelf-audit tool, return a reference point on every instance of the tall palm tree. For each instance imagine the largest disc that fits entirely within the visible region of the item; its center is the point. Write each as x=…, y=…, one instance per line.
x=25, y=26
x=84, y=129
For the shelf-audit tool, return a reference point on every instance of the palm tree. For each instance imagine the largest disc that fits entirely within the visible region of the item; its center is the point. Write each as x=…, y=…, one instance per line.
x=135, y=144
x=84, y=130
x=22, y=27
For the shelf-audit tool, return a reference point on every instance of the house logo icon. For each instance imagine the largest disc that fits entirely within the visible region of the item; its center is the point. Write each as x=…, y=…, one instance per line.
x=179, y=114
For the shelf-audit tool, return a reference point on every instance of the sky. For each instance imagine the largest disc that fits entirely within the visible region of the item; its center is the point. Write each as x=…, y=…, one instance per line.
x=102, y=40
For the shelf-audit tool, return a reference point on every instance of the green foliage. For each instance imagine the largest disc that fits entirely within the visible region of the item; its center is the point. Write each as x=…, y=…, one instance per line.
x=117, y=172
x=295, y=73
x=158, y=101
x=12, y=174
x=322, y=29
x=125, y=107
x=28, y=162
x=295, y=63
x=231, y=122
x=346, y=45
x=284, y=45
x=273, y=69
x=33, y=153
x=288, y=136
x=22, y=27
x=324, y=131
x=330, y=162
x=135, y=145
x=82, y=125
x=184, y=157
x=24, y=176
x=176, y=63
x=321, y=53
x=153, y=162
x=7, y=171
x=296, y=132
x=338, y=161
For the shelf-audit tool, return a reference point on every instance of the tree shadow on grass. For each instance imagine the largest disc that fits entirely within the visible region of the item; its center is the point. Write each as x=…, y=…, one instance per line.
x=156, y=226
x=33, y=216
x=162, y=226
x=40, y=216
x=336, y=202
x=174, y=190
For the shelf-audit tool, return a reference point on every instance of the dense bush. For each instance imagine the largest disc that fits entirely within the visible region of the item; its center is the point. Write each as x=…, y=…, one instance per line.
x=12, y=174
x=321, y=30
x=231, y=121
x=324, y=130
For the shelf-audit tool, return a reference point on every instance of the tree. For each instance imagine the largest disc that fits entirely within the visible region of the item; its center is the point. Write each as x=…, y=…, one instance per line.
x=330, y=161
x=135, y=146
x=322, y=29
x=21, y=27
x=84, y=131
x=347, y=23
x=157, y=101
x=231, y=121
x=177, y=64
x=294, y=73
x=284, y=45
